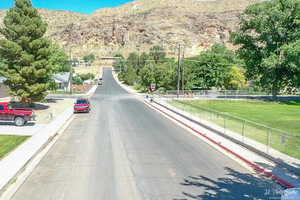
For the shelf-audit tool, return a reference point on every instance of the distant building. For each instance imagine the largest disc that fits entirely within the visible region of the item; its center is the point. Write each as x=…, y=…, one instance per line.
x=63, y=81
x=3, y=88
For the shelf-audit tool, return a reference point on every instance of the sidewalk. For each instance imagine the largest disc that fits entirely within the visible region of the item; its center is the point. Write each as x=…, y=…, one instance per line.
x=242, y=155
x=29, y=129
x=129, y=89
x=74, y=96
x=245, y=157
x=43, y=136
x=13, y=164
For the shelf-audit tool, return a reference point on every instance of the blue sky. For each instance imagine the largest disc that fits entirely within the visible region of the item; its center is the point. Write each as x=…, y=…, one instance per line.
x=83, y=6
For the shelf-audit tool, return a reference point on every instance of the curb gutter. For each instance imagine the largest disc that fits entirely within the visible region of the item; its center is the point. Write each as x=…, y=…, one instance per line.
x=246, y=161
x=15, y=163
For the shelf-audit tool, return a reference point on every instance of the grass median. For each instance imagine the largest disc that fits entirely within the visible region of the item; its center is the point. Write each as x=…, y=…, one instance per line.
x=10, y=142
x=284, y=116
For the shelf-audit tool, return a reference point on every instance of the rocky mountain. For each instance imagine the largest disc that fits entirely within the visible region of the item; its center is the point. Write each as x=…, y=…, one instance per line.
x=196, y=24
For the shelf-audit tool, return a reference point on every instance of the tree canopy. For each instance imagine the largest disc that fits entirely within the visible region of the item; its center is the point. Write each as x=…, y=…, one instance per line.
x=212, y=68
x=26, y=52
x=269, y=39
x=89, y=58
x=26, y=55
x=217, y=67
x=157, y=53
x=59, y=60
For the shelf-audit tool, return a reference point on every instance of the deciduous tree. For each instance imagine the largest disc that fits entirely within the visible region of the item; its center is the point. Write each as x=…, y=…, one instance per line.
x=269, y=37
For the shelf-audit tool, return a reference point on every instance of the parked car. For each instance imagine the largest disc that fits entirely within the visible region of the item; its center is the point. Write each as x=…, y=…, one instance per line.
x=100, y=81
x=20, y=115
x=82, y=105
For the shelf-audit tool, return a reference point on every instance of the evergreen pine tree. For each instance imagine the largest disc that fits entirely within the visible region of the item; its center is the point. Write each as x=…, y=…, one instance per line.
x=26, y=52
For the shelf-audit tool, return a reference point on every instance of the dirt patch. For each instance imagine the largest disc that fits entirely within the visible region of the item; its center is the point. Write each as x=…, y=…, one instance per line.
x=81, y=88
x=54, y=107
x=95, y=69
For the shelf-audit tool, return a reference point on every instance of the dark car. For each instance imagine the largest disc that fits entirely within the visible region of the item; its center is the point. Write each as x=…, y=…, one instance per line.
x=82, y=105
x=100, y=81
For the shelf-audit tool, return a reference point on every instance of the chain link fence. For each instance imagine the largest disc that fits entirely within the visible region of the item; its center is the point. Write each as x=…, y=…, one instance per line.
x=266, y=139
x=228, y=94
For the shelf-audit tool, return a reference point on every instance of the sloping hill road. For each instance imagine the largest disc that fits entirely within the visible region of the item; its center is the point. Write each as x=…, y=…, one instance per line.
x=124, y=150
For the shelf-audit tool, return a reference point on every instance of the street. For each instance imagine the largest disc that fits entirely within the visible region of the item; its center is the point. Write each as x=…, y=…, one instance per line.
x=125, y=150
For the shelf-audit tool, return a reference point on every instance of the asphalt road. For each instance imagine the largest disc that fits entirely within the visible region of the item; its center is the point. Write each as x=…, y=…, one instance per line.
x=124, y=150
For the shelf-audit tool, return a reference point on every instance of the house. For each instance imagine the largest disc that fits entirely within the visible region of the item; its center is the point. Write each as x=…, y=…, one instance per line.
x=63, y=81
x=3, y=88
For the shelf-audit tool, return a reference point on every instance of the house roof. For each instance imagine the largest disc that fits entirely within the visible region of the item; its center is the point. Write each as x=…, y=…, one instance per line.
x=2, y=79
x=62, y=77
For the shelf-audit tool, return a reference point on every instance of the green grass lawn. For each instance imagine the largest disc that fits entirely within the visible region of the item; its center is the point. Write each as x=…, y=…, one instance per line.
x=9, y=142
x=280, y=115
x=65, y=92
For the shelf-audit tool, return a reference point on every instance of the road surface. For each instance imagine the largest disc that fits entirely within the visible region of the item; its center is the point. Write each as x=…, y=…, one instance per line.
x=124, y=150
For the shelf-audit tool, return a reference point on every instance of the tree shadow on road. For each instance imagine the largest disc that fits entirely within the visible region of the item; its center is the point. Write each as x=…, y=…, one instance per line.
x=235, y=186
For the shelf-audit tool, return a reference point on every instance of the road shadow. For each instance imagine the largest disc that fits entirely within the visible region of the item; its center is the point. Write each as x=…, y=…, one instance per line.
x=38, y=106
x=29, y=124
x=235, y=186
x=290, y=176
x=53, y=100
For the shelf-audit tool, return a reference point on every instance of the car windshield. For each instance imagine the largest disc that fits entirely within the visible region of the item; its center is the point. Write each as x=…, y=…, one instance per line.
x=81, y=101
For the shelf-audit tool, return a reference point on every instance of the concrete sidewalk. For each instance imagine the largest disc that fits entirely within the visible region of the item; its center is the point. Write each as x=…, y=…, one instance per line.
x=13, y=164
x=238, y=153
x=29, y=129
x=245, y=157
x=74, y=96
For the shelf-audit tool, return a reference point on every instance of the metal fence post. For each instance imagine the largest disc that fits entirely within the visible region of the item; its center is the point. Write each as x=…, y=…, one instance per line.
x=269, y=141
x=224, y=124
x=243, y=132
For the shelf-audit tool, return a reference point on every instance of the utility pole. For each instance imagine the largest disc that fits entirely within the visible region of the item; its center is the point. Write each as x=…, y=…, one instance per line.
x=138, y=47
x=182, y=70
x=178, y=70
x=71, y=71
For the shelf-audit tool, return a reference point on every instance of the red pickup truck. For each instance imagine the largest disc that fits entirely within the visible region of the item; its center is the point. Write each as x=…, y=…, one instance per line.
x=19, y=115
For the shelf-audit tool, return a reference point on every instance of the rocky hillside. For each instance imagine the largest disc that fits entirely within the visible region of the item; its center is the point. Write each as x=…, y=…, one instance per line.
x=195, y=23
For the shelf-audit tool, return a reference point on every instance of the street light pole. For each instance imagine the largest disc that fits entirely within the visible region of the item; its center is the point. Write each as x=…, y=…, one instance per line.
x=182, y=69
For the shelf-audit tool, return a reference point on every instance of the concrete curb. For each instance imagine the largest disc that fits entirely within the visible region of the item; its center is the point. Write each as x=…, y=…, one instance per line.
x=92, y=90
x=125, y=87
x=15, y=162
x=287, y=162
x=236, y=155
x=246, y=161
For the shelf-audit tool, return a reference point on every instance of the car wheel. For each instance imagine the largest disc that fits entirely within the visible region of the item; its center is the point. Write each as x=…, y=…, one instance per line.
x=19, y=121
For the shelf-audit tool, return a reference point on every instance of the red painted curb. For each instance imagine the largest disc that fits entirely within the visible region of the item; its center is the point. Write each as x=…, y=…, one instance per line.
x=252, y=164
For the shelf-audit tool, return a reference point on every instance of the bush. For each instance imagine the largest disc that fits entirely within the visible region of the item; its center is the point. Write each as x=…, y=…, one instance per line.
x=89, y=58
x=88, y=76
x=77, y=80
